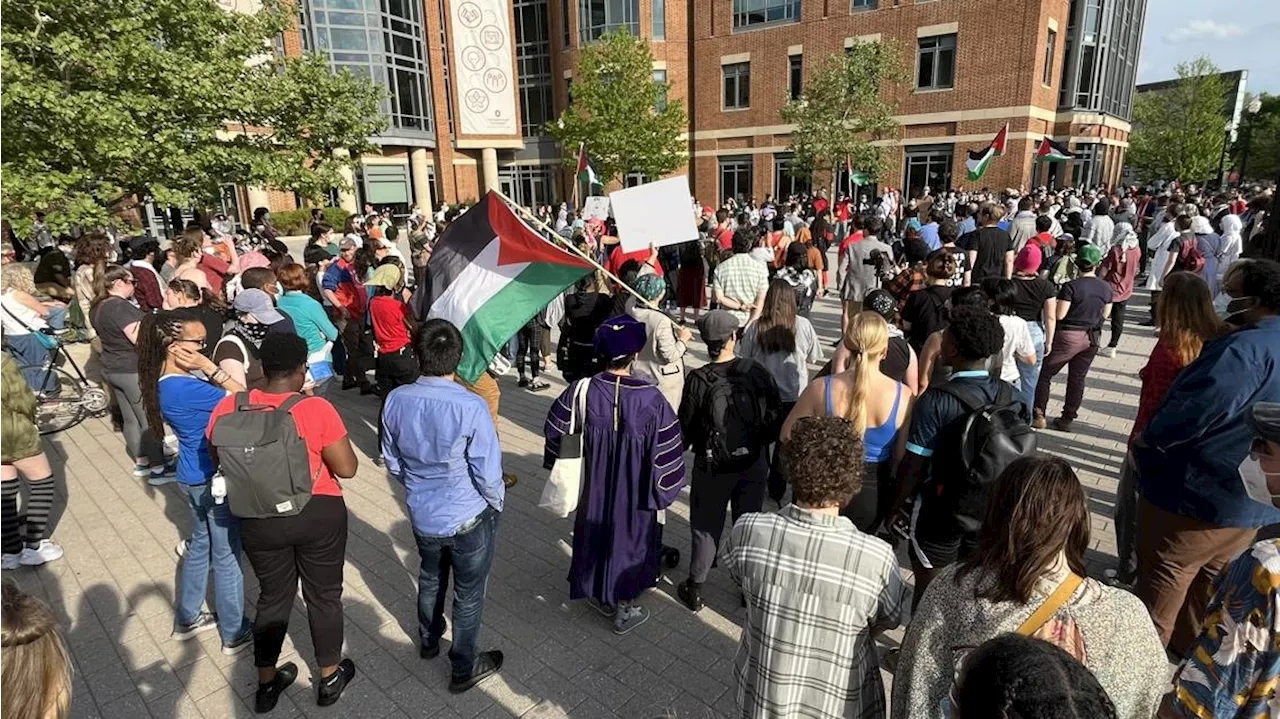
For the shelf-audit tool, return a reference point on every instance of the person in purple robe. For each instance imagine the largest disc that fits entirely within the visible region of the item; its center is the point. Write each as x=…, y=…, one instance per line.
x=633, y=457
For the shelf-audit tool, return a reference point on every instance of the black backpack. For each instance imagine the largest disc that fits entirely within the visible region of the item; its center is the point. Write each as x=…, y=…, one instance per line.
x=976, y=448
x=263, y=458
x=737, y=422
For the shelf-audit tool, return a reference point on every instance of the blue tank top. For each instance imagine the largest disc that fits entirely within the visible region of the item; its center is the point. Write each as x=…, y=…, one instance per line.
x=878, y=441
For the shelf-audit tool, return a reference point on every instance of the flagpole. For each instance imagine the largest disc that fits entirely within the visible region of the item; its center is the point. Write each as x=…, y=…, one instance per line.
x=571, y=247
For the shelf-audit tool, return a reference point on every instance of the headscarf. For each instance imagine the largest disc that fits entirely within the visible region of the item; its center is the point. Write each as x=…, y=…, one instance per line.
x=1124, y=236
x=649, y=286
x=1028, y=260
x=1200, y=225
x=788, y=230
x=1232, y=241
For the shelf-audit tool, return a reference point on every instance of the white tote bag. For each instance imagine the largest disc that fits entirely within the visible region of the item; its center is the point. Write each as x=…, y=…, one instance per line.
x=560, y=495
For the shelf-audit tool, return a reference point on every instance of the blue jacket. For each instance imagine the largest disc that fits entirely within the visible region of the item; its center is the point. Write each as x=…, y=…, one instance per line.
x=1198, y=438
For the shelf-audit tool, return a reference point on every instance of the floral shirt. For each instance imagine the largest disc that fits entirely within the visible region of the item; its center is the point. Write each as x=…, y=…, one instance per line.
x=1233, y=669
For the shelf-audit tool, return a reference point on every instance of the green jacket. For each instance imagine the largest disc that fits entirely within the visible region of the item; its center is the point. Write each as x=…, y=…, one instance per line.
x=19, y=437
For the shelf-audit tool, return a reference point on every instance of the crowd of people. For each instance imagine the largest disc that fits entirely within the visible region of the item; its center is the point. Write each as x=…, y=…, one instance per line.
x=918, y=436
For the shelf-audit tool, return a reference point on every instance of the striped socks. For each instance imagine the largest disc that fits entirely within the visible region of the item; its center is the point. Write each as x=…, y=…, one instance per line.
x=39, y=502
x=10, y=541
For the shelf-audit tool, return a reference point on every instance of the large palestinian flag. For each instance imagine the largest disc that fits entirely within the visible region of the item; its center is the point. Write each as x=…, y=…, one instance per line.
x=1050, y=151
x=490, y=274
x=979, y=160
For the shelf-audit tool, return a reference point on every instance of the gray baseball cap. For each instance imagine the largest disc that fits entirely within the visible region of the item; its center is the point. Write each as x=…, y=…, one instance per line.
x=717, y=326
x=1264, y=419
x=257, y=303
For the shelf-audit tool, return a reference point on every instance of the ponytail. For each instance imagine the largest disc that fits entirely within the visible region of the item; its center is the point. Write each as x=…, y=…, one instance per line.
x=104, y=276
x=867, y=338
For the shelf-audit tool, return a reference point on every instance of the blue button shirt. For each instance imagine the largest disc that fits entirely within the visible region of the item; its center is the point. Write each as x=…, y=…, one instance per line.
x=929, y=233
x=439, y=441
x=1198, y=437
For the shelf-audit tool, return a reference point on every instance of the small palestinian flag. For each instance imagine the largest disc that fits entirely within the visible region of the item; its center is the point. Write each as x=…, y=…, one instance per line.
x=585, y=173
x=979, y=160
x=1051, y=151
x=490, y=274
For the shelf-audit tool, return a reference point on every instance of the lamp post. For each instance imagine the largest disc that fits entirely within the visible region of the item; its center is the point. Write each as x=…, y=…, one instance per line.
x=1255, y=105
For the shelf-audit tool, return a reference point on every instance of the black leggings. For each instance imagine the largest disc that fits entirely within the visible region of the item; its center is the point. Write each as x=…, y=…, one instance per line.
x=528, y=343
x=870, y=505
x=1117, y=322
x=310, y=546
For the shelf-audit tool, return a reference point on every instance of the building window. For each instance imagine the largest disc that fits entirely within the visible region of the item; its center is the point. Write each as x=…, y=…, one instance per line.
x=751, y=13
x=634, y=178
x=568, y=91
x=384, y=45
x=564, y=20
x=786, y=182
x=659, y=21
x=660, y=78
x=1050, y=45
x=533, y=64
x=795, y=76
x=1084, y=166
x=936, y=62
x=735, y=177
x=737, y=85
x=596, y=17
x=927, y=166
x=859, y=5
x=529, y=185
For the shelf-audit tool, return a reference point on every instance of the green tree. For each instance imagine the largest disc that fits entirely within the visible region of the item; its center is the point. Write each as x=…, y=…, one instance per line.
x=109, y=103
x=620, y=112
x=1259, y=137
x=846, y=106
x=1178, y=133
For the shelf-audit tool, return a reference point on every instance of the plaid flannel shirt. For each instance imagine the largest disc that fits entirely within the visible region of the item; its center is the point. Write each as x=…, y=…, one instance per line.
x=909, y=280
x=817, y=591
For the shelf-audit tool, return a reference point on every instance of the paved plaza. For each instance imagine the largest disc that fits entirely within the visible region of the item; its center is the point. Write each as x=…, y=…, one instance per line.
x=114, y=589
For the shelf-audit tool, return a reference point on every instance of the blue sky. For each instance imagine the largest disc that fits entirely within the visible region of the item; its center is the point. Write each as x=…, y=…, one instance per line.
x=1235, y=34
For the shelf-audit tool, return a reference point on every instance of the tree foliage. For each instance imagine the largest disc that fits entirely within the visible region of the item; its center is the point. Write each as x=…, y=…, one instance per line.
x=1178, y=133
x=620, y=112
x=107, y=103
x=847, y=104
x=1259, y=138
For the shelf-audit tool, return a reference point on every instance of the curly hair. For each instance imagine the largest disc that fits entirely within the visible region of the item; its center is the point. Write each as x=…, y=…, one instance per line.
x=1019, y=677
x=1261, y=279
x=188, y=244
x=823, y=459
x=975, y=332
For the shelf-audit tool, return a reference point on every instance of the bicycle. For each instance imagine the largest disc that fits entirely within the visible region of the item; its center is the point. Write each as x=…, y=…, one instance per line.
x=62, y=401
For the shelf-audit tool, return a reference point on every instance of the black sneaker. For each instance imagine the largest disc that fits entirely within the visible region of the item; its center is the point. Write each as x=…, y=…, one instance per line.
x=379, y=461
x=690, y=595
x=330, y=689
x=522, y=382
x=269, y=693
x=367, y=389
x=239, y=644
x=203, y=622
x=430, y=650
x=349, y=384
x=487, y=664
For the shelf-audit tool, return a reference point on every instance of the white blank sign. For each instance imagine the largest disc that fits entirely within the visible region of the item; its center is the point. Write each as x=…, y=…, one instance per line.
x=655, y=214
x=595, y=207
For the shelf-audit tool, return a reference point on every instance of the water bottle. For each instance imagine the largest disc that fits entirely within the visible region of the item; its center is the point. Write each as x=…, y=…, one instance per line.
x=218, y=488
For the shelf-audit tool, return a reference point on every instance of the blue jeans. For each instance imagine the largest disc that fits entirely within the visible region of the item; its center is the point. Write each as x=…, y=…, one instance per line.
x=469, y=555
x=1029, y=375
x=215, y=539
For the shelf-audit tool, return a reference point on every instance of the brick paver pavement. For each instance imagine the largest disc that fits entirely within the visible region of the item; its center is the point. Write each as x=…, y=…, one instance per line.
x=113, y=591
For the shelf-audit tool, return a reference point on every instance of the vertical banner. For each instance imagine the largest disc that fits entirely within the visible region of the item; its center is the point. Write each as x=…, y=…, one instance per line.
x=483, y=69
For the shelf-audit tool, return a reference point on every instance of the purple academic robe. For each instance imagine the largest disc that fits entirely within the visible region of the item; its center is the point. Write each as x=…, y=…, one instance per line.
x=634, y=466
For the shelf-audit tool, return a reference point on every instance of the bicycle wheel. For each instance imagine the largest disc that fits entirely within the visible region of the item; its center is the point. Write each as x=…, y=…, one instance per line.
x=59, y=398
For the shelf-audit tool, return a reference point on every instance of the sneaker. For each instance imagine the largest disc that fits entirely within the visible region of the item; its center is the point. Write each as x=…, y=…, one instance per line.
x=269, y=693
x=9, y=561
x=239, y=644
x=690, y=595
x=538, y=385
x=331, y=688
x=603, y=610
x=630, y=618
x=1107, y=352
x=1061, y=424
x=167, y=474
x=141, y=470
x=1038, y=421
x=365, y=390
x=487, y=664
x=203, y=622
x=180, y=548
x=45, y=551
x=379, y=461
x=523, y=382
x=430, y=650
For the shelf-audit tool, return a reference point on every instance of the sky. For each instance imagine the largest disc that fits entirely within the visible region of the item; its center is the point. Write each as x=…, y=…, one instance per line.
x=1234, y=34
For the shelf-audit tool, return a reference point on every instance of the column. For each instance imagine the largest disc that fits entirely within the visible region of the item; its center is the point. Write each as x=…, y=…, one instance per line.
x=346, y=193
x=419, y=161
x=489, y=170
x=258, y=197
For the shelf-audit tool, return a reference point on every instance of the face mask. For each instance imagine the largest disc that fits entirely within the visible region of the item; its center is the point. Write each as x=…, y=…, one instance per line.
x=279, y=290
x=1236, y=307
x=1255, y=481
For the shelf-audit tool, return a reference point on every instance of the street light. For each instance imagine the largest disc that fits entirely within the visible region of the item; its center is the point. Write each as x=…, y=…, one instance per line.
x=1251, y=112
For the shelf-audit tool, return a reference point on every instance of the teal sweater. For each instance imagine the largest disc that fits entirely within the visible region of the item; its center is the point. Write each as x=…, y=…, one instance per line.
x=309, y=319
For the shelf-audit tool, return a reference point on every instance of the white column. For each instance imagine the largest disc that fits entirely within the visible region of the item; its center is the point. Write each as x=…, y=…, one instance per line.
x=489, y=170
x=419, y=161
x=347, y=193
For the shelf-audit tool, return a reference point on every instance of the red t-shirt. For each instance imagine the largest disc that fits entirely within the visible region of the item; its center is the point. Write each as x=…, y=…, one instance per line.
x=215, y=269
x=842, y=210
x=725, y=239
x=318, y=424
x=618, y=258
x=1157, y=377
x=388, y=315
x=820, y=205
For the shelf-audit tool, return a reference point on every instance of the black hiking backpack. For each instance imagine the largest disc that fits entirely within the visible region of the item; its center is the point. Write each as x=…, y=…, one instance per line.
x=263, y=458
x=737, y=423
x=977, y=447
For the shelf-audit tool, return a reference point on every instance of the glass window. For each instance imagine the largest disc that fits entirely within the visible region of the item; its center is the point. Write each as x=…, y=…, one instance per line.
x=1084, y=79
x=660, y=77
x=927, y=166
x=785, y=183
x=1050, y=44
x=735, y=177
x=564, y=20
x=748, y=13
x=737, y=85
x=529, y=185
x=659, y=21
x=533, y=64
x=865, y=5
x=795, y=77
x=596, y=17
x=634, y=179
x=936, y=62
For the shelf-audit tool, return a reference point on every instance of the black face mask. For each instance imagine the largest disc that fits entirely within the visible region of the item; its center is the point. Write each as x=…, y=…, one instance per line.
x=1237, y=307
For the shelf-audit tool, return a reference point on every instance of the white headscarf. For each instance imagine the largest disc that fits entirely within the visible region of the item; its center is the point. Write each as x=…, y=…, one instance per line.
x=1200, y=225
x=788, y=230
x=1124, y=236
x=1232, y=243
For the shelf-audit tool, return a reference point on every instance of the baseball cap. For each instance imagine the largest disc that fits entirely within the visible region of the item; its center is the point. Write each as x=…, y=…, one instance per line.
x=1264, y=420
x=1089, y=254
x=882, y=303
x=717, y=326
x=347, y=244
x=384, y=276
x=257, y=303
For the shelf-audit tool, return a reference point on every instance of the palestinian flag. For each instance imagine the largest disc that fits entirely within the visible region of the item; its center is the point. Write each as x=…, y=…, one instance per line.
x=979, y=160
x=585, y=173
x=1051, y=151
x=490, y=274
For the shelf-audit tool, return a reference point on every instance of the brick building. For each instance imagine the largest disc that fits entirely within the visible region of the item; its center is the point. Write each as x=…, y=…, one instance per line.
x=1058, y=68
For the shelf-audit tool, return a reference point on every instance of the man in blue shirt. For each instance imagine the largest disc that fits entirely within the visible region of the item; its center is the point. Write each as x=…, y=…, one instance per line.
x=440, y=443
x=929, y=230
x=1194, y=514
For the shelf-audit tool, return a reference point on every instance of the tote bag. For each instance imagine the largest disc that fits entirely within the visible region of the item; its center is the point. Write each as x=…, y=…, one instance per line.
x=560, y=495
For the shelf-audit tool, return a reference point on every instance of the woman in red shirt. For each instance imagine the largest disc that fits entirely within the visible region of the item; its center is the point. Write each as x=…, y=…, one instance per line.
x=393, y=326
x=1187, y=320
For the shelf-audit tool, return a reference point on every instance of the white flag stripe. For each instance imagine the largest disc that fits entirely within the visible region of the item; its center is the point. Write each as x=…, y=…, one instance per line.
x=475, y=285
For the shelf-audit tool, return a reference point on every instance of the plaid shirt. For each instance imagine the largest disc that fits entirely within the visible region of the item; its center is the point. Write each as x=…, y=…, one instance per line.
x=909, y=280
x=817, y=591
x=741, y=278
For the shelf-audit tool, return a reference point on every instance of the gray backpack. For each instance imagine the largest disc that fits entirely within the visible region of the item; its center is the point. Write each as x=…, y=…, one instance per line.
x=264, y=459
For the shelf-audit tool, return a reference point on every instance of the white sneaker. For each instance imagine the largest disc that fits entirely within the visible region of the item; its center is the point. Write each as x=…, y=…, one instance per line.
x=1107, y=351
x=9, y=561
x=45, y=551
x=180, y=548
